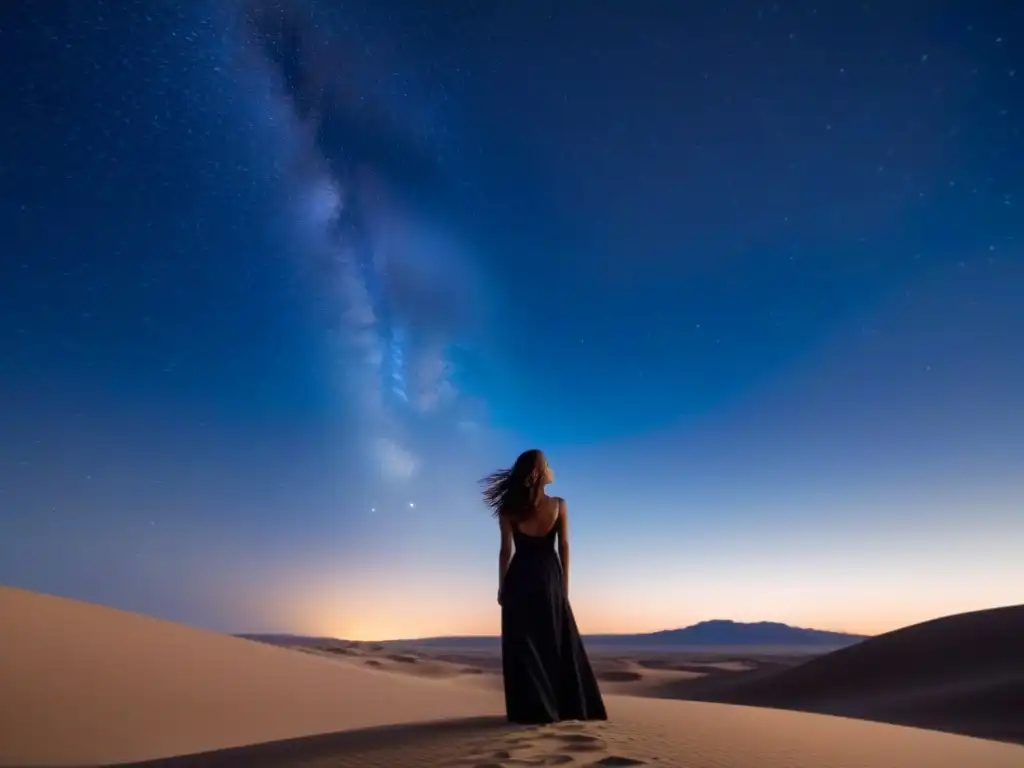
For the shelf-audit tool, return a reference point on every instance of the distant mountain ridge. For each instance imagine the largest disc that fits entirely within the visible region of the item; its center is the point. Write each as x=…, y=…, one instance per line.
x=726, y=632
x=705, y=634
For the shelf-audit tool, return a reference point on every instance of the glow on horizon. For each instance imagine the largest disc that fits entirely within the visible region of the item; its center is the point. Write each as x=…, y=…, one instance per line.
x=863, y=560
x=377, y=627
x=394, y=611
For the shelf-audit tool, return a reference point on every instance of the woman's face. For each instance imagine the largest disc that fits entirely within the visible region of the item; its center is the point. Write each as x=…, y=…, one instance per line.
x=549, y=474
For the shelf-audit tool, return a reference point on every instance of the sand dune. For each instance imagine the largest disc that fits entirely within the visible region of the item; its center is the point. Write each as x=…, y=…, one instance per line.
x=643, y=732
x=962, y=673
x=651, y=674
x=86, y=685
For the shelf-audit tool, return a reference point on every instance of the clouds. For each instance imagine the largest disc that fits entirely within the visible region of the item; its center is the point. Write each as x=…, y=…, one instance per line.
x=367, y=198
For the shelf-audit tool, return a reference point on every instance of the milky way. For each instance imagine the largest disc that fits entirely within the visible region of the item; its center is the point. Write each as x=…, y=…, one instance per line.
x=367, y=193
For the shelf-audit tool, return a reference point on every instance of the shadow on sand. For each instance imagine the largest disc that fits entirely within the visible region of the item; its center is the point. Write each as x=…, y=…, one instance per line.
x=353, y=744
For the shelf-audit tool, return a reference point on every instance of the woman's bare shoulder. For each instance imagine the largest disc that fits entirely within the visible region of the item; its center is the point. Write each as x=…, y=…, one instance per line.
x=561, y=509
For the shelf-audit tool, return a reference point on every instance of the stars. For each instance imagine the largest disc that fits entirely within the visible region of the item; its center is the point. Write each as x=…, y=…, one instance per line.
x=374, y=510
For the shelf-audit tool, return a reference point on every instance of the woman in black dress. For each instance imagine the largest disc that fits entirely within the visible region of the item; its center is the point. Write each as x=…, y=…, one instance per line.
x=547, y=674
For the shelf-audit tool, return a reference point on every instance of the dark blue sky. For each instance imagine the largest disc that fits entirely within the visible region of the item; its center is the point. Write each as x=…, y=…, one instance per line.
x=280, y=280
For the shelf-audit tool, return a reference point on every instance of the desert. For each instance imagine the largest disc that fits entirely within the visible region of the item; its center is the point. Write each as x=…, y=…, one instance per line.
x=87, y=685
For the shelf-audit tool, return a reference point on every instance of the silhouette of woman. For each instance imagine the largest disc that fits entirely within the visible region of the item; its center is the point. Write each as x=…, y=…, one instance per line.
x=547, y=674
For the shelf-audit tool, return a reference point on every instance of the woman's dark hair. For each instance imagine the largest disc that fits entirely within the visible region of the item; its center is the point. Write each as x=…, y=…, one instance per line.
x=516, y=492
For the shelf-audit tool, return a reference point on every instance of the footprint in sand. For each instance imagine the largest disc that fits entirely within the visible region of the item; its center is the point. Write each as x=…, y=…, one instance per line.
x=552, y=745
x=572, y=742
x=579, y=739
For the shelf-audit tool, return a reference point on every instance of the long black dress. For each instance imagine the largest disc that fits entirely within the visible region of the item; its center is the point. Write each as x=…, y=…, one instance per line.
x=547, y=674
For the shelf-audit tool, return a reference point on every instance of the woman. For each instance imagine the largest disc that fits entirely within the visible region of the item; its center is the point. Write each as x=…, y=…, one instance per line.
x=547, y=674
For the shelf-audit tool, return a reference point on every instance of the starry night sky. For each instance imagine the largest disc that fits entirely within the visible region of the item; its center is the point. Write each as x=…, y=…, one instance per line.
x=280, y=280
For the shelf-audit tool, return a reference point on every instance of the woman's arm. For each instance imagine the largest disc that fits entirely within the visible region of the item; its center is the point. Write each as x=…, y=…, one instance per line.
x=563, y=541
x=505, y=553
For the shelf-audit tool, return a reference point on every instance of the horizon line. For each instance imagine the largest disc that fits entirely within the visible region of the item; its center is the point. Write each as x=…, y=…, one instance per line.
x=473, y=636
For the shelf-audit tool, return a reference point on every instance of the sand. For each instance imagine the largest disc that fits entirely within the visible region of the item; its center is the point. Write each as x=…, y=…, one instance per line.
x=86, y=685
x=962, y=674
